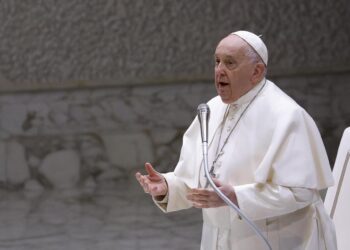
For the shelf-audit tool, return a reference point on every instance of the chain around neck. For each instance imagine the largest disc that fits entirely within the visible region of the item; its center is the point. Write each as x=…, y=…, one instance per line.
x=219, y=153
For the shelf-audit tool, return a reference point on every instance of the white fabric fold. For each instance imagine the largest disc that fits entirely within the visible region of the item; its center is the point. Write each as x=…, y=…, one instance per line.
x=276, y=162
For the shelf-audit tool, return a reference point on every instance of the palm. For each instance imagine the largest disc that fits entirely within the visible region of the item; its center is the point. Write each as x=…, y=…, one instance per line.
x=153, y=183
x=157, y=186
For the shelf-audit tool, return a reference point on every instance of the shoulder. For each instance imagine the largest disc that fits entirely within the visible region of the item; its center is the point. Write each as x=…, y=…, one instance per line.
x=278, y=103
x=274, y=109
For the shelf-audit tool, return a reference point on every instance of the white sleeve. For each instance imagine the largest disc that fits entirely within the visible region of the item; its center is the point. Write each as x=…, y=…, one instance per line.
x=162, y=204
x=261, y=201
x=175, y=199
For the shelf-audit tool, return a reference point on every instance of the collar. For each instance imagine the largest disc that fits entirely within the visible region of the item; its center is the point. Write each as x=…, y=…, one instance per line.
x=247, y=97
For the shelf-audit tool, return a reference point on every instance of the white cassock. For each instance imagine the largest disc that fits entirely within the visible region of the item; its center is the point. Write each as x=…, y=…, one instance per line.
x=275, y=160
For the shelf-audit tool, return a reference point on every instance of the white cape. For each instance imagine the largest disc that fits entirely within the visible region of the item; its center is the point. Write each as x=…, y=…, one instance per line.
x=276, y=161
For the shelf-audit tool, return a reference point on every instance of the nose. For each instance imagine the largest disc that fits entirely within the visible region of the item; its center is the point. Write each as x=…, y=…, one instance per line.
x=220, y=68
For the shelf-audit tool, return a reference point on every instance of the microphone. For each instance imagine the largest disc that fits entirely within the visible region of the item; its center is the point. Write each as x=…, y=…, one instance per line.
x=203, y=112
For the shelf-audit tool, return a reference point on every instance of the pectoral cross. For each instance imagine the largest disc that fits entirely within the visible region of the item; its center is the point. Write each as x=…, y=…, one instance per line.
x=211, y=172
x=216, y=165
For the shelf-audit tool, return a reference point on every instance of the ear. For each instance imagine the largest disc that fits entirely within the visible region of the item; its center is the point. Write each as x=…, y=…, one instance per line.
x=258, y=73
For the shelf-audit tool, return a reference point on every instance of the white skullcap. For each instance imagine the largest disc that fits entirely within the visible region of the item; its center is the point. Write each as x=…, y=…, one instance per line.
x=255, y=42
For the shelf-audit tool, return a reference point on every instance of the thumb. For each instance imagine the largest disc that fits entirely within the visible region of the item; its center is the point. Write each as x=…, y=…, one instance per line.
x=150, y=170
x=217, y=182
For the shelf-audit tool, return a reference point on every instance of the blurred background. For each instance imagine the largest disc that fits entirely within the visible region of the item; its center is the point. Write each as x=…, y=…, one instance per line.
x=90, y=90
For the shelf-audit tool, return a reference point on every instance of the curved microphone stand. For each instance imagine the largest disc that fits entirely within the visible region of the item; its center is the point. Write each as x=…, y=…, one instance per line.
x=203, y=116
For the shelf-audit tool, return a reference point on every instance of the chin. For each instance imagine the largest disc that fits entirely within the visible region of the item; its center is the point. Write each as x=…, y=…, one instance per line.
x=225, y=100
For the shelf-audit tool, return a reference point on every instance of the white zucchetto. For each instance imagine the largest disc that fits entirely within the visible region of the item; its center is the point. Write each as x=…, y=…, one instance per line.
x=255, y=42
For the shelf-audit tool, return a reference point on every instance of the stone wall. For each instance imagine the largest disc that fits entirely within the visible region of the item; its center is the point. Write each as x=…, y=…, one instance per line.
x=90, y=90
x=106, y=134
x=48, y=44
x=100, y=133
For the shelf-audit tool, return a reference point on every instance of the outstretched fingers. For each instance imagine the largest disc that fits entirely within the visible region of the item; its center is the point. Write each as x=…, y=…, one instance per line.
x=153, y=182
x=150, y=170
x=143, y=182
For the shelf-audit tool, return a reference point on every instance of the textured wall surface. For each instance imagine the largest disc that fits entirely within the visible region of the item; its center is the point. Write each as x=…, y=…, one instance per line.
x=90, y=90
x=150, y=64
x=52, y=44
x=113, y=131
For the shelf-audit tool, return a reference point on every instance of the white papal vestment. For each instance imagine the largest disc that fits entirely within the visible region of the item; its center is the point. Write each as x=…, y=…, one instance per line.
x=275, y=160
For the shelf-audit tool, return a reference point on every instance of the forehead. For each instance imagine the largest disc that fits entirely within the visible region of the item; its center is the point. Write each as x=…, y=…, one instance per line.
x=231, y=45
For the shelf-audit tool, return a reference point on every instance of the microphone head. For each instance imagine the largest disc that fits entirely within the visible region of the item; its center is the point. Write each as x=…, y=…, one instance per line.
x=203, y=112
x=203, y=109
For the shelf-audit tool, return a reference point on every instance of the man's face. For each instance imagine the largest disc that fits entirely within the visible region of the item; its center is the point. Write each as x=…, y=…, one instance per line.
x=233, y=69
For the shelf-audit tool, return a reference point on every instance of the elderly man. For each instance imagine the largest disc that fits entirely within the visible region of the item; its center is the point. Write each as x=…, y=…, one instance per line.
x=267, y=157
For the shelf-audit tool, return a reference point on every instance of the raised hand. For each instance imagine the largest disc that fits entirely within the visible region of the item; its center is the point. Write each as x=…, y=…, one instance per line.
x=153, y=183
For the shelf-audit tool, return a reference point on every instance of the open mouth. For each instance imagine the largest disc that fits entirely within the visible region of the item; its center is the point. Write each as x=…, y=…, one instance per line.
x=222, y=84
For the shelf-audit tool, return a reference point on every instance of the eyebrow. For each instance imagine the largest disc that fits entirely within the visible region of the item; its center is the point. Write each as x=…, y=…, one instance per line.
x=226, y=57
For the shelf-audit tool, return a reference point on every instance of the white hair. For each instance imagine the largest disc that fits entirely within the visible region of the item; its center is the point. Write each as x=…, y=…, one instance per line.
x=253, y=56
